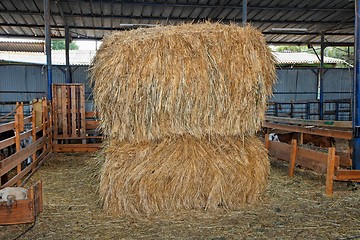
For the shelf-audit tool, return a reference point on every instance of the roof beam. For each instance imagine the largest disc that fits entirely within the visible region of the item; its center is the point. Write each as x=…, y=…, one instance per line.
x=144, y=25
x=225, y=6
x=183, y=19
x=269, y=42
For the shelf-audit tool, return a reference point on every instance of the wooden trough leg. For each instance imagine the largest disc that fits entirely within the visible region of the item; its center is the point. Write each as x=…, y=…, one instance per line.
x=267, y=141
x=330, y=171
x=292, y=157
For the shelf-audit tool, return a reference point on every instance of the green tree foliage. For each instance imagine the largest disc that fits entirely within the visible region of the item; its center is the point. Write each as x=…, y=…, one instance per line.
x=60, y=45
x=345, y=53
x=291, y=49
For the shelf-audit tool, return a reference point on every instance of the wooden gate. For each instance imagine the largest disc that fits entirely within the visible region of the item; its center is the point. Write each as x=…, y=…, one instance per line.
x=69, y=112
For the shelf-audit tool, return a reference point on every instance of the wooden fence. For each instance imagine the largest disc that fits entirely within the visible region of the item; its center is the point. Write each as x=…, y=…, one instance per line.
x=74, y=129
x=334, y=164
x=37, y=126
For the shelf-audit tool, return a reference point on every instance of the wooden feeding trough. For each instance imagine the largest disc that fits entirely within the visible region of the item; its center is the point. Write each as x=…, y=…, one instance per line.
x=23, y=211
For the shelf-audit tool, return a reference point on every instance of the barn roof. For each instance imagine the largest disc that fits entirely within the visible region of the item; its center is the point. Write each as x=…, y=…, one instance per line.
x=303, y=58
x=282, y=21
x=83, y=57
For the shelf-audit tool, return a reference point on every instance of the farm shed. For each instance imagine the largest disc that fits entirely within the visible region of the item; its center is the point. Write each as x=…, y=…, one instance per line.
x=327, y=23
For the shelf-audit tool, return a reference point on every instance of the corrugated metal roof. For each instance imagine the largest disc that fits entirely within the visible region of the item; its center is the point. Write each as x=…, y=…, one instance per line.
x=97, y=18
x=77, y=57
x=83, y=57
x=33, y=46
x=303, y=58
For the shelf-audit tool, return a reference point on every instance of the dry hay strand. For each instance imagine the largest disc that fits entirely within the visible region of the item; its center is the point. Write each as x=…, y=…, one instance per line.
x=183, y=173
x=197, y=79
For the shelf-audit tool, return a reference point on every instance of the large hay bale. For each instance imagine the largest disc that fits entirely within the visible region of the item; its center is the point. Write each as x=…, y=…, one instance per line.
x=183, y=172
x=197, y=79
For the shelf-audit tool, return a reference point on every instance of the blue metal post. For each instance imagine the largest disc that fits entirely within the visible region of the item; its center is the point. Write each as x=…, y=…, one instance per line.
x=321, y=76
x=48, y=47
x=356, y=113
x=67, y=56
x=244, y=12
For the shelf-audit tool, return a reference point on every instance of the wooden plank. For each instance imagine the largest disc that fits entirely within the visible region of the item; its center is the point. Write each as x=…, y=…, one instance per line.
x=17, y=141
x=10, y=162
x=55, y=112
x=82, y=113
x=92, y=122
x=38, y=198
x=7, y=126
x=91, y=115
x=43, y=157
x=27, y=119
x=25, y=134
x=22, y=211
x=21, y=116
x=37, y=109
x=280, y=150
x=76, y=147
x=267, y=141
x=317, y=123
x=64, y=106
x=345, y=160
x=7, y=142
x=292, y=157
x=330, y=171
x=314, y=131
x=314, y=160
x=73, y=111
x=33, y=132
x=347, y=175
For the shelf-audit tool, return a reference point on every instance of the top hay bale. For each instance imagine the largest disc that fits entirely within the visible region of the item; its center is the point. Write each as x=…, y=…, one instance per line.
x=197, y=79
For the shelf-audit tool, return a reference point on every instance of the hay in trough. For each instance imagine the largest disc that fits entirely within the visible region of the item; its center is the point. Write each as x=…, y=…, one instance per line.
x=183, y=172
x=197, y=79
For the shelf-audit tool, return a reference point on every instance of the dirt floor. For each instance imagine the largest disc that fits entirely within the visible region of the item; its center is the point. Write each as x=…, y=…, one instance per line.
x=292, y=209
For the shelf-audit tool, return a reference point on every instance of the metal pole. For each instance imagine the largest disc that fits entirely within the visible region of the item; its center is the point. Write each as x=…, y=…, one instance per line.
x=244, y=12
x=356, y=109
x=321, y=76
x=48, y=46
x=67, y=56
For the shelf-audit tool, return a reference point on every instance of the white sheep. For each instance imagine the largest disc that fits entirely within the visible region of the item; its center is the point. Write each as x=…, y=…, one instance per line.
x=10, y=194
x=274, y=137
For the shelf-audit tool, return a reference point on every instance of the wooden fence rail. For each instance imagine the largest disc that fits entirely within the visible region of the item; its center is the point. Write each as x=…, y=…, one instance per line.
x=14, y=167
x=329, y=163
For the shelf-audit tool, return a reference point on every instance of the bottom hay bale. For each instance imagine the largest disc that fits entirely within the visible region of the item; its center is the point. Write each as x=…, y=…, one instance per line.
x=182, y=173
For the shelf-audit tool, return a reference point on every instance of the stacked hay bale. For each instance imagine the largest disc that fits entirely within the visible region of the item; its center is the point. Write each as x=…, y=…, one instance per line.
x=179, y=106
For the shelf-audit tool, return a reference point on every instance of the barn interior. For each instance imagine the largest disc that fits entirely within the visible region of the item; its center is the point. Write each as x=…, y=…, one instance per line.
x=46, y=95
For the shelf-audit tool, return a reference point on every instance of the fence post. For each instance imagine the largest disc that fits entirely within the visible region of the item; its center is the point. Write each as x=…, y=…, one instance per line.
x=33, y=132
x=44, y=118
x=308, y=110
x=330, y=168
x=337, y=111
x=267, y=141
x=50, y=135
x=292, y=157
x=19, y=124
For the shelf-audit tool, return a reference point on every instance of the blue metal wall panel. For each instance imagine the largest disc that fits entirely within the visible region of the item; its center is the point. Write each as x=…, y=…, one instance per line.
x=24, y=83
x=294, y=85
x=338, y=84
